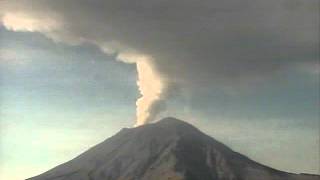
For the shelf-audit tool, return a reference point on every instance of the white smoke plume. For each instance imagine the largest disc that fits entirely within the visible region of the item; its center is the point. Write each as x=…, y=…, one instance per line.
x=151, y=86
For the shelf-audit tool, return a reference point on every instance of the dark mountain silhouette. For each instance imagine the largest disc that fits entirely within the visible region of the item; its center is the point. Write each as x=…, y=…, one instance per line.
x=167, y=150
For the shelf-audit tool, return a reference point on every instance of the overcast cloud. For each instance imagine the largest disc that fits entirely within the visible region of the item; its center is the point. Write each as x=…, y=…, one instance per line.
x=189, y=44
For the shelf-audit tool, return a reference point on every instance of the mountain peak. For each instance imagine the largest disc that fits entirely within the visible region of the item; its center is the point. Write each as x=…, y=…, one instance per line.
x=168, y=149
x=171, y=121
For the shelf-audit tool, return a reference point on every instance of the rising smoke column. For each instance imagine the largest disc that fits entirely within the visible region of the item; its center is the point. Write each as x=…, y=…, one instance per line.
x=151, y=87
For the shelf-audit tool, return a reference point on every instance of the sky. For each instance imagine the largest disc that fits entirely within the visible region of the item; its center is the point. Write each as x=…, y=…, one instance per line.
x=73, y=73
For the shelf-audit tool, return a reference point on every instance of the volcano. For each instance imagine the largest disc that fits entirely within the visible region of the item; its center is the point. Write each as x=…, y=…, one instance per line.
x=170, y=149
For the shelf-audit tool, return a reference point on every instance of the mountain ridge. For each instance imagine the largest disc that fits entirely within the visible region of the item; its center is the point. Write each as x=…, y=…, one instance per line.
x=168, y=149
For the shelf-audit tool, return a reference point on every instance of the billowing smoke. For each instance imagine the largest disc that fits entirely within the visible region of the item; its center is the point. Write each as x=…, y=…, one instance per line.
x=151, y=87
x=189, y=45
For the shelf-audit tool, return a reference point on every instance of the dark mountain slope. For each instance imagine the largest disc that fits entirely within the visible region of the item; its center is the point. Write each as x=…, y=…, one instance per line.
x=168, y=150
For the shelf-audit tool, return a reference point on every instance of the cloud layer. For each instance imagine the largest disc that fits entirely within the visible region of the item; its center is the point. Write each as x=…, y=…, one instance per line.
x=181, y=45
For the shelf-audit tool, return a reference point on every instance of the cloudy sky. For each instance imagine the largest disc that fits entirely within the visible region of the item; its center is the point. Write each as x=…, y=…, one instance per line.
x=74, y=72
